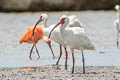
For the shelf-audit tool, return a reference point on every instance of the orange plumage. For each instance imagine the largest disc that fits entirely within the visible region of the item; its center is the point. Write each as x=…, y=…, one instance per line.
x=27, y=36
x=38, y=34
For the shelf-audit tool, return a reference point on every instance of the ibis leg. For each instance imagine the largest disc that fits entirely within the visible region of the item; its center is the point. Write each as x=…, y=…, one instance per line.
x=31, y=52
x=73, y=59
x=60, y=54
x=37, y=52
x=83, y=60
x=66, y=54
x=117, y=39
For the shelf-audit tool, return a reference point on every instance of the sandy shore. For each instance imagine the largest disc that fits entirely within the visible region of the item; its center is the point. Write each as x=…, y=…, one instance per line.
x=100, y=29
x=51, y=72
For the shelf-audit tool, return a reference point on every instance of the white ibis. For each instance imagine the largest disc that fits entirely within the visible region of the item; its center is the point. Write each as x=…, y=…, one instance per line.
x=74, y=22
x=55, y=35
x=74, y=38
x=117, y=23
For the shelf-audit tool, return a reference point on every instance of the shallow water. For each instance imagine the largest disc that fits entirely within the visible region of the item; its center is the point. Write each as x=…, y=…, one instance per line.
x=98, y=25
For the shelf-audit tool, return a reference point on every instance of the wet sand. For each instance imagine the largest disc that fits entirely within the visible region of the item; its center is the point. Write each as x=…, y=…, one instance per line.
x=100, y=29
x=52, y=72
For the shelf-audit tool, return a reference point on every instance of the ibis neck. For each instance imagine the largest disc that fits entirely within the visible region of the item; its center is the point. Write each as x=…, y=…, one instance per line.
x=119, y=15
x=45, y=23
x=62, y=29
x=46, y=29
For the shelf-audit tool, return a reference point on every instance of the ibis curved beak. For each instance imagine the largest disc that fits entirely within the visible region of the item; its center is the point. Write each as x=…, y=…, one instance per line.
x=49, y=44
x=36, y=25
x=53, y=29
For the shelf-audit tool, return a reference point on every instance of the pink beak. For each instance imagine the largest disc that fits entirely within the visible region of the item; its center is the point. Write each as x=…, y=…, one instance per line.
x=53, y=29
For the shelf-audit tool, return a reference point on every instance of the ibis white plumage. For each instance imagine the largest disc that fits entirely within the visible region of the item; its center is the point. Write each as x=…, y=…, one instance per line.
x=74, y=22
x=74, y=38
x=117, y=23
x=55, y=35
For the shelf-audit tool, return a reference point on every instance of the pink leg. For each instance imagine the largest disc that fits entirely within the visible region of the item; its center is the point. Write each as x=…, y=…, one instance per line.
x=66, y=54
x=73, y=59
x=60, y=54
x=31, y=52
x=37, y=52
x=83, y=62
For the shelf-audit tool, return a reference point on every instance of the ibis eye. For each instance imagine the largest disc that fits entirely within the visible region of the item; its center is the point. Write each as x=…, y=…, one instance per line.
x=40, y=17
